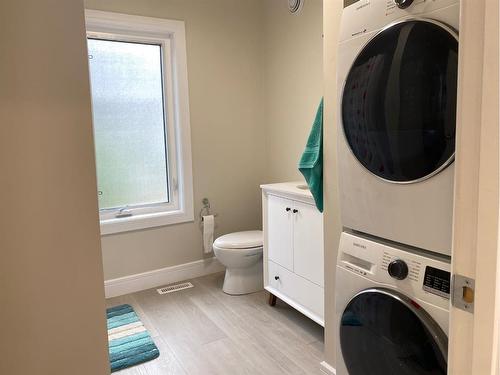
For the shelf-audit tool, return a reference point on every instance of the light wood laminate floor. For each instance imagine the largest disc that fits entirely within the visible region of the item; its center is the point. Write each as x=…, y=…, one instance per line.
x=202, y=331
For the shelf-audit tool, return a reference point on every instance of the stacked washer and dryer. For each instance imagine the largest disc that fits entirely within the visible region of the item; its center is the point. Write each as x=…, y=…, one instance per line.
x=397, y=79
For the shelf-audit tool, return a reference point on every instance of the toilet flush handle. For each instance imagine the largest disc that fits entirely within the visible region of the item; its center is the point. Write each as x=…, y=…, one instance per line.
x=276, y=277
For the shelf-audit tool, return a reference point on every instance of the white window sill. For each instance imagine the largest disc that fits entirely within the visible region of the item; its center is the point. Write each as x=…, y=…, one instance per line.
x=145, y=221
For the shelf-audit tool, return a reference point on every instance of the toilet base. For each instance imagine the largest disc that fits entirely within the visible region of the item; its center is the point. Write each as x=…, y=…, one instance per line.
x=243, y=280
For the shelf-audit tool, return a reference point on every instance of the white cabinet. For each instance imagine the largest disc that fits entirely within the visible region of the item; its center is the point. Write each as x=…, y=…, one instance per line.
x=280, y=231
x=293, y=248
x=299, y=293
x=308, y=243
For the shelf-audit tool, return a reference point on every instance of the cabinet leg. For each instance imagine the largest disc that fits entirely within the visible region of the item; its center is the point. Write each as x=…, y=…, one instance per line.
x=272, y=299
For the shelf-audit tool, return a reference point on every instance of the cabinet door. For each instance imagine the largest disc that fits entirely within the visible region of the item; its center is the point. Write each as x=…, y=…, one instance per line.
x=308, y=259
x=279, y=231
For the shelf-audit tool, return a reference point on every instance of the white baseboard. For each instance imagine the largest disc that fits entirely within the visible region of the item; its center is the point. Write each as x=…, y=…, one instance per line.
x=327, y=369
x=160, y=277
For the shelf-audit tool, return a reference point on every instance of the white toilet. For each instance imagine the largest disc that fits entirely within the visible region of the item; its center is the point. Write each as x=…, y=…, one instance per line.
x=241, y=253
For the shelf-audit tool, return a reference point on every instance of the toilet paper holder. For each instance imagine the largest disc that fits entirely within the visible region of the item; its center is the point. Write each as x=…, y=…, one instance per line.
x=205, y=210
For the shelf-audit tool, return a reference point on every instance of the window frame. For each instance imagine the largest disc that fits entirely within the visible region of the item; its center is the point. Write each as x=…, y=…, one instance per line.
x=170, y=35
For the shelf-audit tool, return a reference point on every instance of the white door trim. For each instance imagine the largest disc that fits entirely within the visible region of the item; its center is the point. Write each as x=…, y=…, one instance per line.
x=473, y=342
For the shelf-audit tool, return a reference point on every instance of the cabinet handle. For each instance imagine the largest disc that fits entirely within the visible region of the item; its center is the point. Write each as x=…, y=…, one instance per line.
x=287, y=209
x=276, y=277
x=295, y=211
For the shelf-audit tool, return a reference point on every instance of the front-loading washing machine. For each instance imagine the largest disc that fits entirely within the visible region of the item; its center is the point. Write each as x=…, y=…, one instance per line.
x=392, y=309
x=397, y=82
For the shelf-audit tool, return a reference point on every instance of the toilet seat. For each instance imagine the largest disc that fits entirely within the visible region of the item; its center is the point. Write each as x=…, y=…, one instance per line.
x=240, y=240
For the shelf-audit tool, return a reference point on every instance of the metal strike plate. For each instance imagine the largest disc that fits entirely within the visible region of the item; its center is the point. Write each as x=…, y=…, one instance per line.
x=463, y=293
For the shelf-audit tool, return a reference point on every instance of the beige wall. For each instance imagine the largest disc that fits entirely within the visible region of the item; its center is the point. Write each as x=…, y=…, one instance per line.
x=332, y=227
x=293, y=83
x=51, y=285
x=224, y=68
x=255, y=81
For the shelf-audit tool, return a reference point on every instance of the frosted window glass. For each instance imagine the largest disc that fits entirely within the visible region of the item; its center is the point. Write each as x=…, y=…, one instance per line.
x=129, y=128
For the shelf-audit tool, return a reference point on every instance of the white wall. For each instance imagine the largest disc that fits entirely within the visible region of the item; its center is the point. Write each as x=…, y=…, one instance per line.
x=224, y=68
x=255, y=80
x=293, y=83
x=51, y=286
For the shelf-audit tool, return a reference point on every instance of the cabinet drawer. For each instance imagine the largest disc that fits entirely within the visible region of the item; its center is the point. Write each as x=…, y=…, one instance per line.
x=300, y=290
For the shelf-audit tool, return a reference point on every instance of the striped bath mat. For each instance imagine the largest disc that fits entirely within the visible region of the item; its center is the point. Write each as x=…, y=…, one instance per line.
x=129, y=342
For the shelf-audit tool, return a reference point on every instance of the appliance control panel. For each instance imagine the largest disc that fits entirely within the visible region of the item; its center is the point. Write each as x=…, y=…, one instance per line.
x=392, y=6
x=423, y=275
x=437, y=281
x=349, y=2
x=413, y=265
x=365, y=17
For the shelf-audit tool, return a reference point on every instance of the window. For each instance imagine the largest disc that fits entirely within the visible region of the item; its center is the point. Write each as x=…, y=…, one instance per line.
x=129, y=125
x=140, y=111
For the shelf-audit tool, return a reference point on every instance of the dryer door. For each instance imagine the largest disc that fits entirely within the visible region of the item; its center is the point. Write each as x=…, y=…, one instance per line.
x=383, y=332
x=399, y=101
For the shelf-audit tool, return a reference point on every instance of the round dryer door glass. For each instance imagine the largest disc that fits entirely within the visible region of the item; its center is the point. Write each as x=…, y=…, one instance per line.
x=399, y=101
x=383, y=333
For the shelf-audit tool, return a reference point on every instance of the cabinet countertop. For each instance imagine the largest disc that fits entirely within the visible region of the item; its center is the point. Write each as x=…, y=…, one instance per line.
x=295, y=190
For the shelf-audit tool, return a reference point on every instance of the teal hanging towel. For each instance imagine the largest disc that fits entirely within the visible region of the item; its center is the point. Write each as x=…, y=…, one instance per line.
x=311, y=162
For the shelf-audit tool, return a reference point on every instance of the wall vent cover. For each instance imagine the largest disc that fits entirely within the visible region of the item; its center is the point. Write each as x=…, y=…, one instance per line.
x=295, y=6
x=174, y=288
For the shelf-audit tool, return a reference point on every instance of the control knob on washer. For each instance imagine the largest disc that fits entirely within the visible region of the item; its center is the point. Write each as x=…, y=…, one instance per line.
x=403, y=4
x=398, y=269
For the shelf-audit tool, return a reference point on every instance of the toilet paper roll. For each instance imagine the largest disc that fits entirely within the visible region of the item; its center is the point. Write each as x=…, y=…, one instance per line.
x=208, y=233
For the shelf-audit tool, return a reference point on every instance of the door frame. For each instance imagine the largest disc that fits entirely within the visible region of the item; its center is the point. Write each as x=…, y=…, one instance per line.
x=473, y=341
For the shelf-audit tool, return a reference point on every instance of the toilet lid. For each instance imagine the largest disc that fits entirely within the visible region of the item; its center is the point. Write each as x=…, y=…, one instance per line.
x=240, y=240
